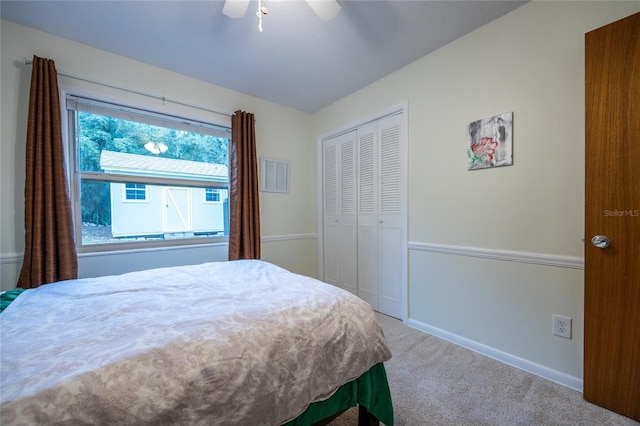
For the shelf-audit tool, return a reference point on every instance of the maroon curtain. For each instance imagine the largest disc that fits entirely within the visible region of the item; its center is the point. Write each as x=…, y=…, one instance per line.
x=50, y=252
x=244, y=211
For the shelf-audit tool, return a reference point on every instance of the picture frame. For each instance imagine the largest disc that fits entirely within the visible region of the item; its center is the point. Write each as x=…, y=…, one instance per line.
x=490, y=142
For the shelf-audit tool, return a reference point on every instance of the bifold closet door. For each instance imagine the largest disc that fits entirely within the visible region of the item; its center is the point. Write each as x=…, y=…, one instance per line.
x=381, y=215
x=368, y=182
x=339, y=212
x=391, y=215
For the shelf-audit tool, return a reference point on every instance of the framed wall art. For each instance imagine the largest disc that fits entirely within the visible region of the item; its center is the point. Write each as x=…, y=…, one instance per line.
x=490, y=142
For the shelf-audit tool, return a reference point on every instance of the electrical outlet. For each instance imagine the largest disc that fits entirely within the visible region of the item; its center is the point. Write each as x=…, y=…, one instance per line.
x=562, y=326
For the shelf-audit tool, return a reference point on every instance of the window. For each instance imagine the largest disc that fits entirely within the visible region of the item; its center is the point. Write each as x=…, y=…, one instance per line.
x=135, y=192
x=140, y=177
x=211, y=195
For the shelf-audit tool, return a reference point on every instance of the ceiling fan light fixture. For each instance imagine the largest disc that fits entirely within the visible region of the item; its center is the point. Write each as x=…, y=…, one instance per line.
x=325, y=9
x=156, y=147
x=262, y=10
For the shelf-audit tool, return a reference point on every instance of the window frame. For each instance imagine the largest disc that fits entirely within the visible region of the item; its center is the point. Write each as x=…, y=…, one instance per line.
x=206, y=193
x=136, y=190
x=75, y=175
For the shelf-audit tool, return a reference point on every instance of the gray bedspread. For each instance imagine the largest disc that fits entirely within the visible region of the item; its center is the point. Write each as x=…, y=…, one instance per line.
x=234, y=343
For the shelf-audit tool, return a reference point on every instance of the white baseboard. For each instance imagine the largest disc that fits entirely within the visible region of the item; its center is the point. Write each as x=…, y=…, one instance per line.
x=531, y=367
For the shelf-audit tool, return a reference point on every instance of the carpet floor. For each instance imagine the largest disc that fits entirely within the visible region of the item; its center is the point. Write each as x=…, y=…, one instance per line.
x=434, y=382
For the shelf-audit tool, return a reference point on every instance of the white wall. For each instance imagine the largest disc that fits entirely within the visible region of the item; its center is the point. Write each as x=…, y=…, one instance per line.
x=494, y=253
x=288, y=221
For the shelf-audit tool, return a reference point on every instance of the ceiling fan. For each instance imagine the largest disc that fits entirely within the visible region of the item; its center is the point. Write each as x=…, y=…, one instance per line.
x=325, y=9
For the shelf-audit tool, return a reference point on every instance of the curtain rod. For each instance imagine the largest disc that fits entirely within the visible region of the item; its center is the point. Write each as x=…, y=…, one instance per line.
x=126, y=89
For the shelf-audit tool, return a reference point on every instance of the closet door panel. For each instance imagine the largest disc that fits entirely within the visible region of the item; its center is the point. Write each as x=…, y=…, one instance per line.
x=330, y=179
x=348, y=217
x=348, y=270
x=368, y=264
x=368, y=280
x=392, y=253
x=331, y=253
x=390, y=169
x=339, y=211
x=330, y=212
x=391, y=247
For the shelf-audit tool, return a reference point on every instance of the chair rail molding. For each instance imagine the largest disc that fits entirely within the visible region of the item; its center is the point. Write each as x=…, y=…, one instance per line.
x=289, y=237
x=10, y=258
x=570, y=262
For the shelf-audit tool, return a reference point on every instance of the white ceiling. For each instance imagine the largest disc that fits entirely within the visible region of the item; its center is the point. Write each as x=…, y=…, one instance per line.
x=298, y=60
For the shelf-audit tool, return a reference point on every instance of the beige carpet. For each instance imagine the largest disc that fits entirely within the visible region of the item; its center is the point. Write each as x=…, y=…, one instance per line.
x=434, y=382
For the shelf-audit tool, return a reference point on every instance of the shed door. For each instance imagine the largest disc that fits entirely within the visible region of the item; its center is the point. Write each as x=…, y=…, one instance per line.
x=177, y=209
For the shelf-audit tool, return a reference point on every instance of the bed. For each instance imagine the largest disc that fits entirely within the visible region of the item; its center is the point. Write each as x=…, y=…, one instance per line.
x=228, y=343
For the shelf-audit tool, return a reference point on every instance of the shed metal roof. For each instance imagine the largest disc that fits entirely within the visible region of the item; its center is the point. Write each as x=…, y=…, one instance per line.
x=120, y=162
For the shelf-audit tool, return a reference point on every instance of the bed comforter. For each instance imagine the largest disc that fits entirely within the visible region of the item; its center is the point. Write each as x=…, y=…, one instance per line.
x=242, y=343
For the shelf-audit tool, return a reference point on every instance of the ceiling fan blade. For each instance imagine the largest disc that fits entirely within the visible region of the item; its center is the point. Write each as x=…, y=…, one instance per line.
x=325, y=9
x=235, y=8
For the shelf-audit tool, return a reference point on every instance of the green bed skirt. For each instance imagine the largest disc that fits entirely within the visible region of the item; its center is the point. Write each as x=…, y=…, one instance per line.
x=371, y=390
x=9, y=296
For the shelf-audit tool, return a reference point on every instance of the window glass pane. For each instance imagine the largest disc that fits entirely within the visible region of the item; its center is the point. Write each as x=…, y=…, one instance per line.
x=144, y=180
x=169, y=213
x=212, y=195
x=75, y=103
x=135, y=191
x=102, y=138
x=95, y=199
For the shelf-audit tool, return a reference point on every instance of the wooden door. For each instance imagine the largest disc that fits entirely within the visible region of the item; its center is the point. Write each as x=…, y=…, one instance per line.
x=612, y=209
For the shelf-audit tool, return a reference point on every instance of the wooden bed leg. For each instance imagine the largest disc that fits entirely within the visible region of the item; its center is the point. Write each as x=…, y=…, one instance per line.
x=365, y=418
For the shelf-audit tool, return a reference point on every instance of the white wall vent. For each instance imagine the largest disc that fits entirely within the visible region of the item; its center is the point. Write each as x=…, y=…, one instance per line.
x=274, y=175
